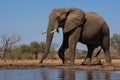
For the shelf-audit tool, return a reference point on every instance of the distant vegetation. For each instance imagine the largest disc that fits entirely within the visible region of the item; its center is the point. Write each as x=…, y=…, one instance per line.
x=34, y=50
x=115, y=45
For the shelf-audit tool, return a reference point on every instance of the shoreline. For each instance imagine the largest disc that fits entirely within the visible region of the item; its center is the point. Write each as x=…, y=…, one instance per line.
x=56, y=64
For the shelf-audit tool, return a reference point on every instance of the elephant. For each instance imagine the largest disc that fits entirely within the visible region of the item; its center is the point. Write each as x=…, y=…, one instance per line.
x=88, y=28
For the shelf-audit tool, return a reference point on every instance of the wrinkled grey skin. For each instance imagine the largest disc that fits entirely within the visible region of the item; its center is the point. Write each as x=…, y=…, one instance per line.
x=78, y=26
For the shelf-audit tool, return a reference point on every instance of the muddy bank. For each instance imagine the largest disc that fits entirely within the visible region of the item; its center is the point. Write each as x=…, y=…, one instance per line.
x=21, y=64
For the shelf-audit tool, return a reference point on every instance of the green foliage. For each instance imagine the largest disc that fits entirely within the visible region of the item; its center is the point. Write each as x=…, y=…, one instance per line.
x=42, y=47
x=115, y=42
x=80, y=54
x=25, y=48
x=35, y=46
x=30, y=51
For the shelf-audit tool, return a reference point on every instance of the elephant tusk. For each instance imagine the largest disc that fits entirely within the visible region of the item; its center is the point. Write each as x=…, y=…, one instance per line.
x=44, y=32
x=53, y=31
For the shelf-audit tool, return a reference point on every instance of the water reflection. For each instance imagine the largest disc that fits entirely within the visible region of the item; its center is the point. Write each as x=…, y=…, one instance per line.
x=57, y=74
x=75, y=75
x=96, y=75
x=67, y=75
x=89, y=75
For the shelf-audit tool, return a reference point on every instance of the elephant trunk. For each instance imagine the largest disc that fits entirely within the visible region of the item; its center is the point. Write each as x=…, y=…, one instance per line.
x=48, y=44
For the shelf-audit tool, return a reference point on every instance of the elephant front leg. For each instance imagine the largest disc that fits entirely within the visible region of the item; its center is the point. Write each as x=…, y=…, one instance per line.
x=72, y=46
x=62, y=50
x=73, y=39
x=61, y=54
x=72, y=54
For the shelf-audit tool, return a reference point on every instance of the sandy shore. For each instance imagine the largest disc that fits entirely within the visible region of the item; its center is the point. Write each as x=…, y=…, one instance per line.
x=20, y=64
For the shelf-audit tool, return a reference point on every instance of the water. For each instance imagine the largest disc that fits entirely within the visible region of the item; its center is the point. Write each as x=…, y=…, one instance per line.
x=57, y=74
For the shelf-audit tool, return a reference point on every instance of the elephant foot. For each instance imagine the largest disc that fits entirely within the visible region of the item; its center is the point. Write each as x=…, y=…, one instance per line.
x=69, y=62
x=41, y=62
x=98, y=62
x=107, y=64
x=87, y=61
x=65, y=61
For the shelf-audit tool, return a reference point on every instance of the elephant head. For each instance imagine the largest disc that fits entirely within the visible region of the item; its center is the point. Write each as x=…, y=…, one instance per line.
x=67, y=18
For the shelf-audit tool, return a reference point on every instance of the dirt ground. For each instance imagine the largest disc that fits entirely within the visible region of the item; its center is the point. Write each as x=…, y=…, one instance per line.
x=21, y=64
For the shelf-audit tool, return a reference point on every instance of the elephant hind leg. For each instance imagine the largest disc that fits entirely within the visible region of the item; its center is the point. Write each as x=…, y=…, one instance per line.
x=98, y=58
x=88, y=58
x=105, y=46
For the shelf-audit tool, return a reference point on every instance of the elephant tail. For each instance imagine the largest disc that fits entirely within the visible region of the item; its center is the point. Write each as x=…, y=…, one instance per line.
x=98, y=53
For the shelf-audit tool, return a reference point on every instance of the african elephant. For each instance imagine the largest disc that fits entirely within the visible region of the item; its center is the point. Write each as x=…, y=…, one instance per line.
x=78, y=26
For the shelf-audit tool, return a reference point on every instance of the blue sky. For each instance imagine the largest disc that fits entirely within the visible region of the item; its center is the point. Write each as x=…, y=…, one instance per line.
x=28, y=18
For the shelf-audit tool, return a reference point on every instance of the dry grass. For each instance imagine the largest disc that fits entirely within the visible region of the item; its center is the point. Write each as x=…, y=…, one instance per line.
x=78, y=61
x=56, y=64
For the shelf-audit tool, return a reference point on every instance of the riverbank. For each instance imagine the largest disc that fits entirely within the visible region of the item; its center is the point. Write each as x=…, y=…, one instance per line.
x=21, y=64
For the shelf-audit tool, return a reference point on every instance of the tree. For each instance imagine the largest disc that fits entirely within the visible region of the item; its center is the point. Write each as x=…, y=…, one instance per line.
x=42, y=47
x=8, y=41
x=35, y=48
x=25, y=48
x=115, y=42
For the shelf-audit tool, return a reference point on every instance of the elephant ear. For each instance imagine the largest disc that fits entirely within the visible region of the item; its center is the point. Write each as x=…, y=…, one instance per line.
x=74, y=19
